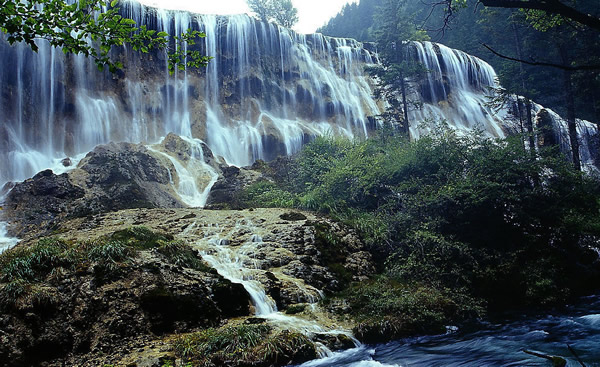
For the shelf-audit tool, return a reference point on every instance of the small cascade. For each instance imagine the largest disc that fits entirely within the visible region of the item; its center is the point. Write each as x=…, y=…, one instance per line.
x=235, y=263
x=231, y=250
x=229, y=264
x=193, y=178
x=6, y=242
x=586, y=131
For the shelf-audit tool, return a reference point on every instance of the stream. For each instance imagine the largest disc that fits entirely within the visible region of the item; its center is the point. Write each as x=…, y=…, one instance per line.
x=493, y=344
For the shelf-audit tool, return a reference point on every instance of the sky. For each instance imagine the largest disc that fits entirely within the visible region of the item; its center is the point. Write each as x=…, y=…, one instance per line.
x=312, y=13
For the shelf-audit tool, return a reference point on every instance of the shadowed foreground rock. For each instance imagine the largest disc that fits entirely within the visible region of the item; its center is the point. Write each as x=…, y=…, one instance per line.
x=79, y=314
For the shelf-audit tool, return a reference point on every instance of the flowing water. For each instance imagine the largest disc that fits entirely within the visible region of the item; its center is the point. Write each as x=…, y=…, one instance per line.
x=6, y=241
x=267, y=91
x=193, y=178
x=492, y=344
x=231, y=250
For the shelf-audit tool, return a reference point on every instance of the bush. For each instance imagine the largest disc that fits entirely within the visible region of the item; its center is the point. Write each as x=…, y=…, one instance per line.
x=459, y=211
x=254, y=345
x=266, y=194
x=386, y=309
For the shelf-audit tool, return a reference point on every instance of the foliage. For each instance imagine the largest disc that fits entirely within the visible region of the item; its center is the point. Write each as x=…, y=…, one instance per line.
x=268, y=195
x=29, y=275
x=460, y=212
x=92, y=28
x=386, y=308
x=140, y=237
x=282, y=12
x=243, y=344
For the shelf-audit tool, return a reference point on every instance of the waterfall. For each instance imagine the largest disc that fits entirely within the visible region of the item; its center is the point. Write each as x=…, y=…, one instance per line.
x=456, y=90
x=266, y=92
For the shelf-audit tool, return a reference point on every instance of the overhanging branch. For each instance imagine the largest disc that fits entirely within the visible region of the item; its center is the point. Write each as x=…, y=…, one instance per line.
x=538, y=63
x=549, y=6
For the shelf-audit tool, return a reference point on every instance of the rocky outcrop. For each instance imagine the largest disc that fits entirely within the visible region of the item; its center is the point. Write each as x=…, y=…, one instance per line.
x=85, y=315
x=101, y=316
x=111, y=177
x=124, y=175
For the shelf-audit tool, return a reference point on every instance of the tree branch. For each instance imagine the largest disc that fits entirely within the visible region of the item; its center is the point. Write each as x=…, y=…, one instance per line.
x=538, y=63
x=549, y=6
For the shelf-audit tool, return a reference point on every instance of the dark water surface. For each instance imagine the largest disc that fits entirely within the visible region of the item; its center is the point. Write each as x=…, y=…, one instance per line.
x=493, y=344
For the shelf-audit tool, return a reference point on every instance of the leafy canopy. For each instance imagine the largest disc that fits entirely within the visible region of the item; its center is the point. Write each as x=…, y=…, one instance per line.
x=91, y=28
x=468, y=213
x=282, y=12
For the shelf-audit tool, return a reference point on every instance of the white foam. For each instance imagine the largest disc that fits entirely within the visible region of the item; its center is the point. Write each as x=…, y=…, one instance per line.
x=6, y=242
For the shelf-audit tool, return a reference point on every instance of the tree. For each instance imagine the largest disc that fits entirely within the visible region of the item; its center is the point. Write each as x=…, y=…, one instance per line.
x=570, y=10
x=282, y=12
x=393, y=29
x=262, y=8
x=91, y=28
x=285, y=13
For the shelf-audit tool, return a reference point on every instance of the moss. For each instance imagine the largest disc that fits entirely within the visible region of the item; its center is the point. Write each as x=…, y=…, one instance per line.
x=385, y=309
x=141, y=238
x=295, y=309
x=332, y=249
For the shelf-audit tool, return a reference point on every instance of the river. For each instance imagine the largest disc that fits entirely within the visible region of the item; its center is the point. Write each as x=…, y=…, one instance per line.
x=492, y=344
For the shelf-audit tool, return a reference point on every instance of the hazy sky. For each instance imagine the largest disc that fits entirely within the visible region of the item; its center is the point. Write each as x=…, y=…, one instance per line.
x=312, y=13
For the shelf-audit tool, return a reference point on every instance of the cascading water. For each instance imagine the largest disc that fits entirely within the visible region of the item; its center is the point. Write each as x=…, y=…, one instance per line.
x=194, y=177
x=455, y=90
x=231, y=248
x=266, y=91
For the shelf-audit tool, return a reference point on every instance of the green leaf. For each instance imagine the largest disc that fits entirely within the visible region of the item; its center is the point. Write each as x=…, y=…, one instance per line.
x=114, y=3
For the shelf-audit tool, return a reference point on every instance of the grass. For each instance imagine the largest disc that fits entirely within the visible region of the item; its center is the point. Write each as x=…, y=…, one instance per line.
x=254, y=345
x=180, y=254
x=385, y=308
x=28, y=274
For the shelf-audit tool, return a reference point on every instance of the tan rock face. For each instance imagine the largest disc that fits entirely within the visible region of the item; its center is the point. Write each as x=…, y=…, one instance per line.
x=288, y=254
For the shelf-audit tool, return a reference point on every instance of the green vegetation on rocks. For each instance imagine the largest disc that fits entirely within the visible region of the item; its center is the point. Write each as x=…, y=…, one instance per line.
x=28, y=275
x=255, y=345
x=475, y=220
x=386, y=309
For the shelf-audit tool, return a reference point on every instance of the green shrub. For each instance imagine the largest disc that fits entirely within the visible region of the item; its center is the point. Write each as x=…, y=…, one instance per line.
x=393, y=309
x=266, y=194
x=181, y=254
